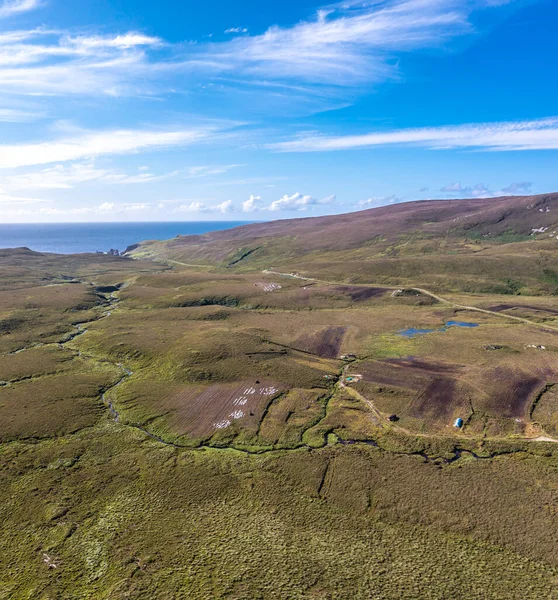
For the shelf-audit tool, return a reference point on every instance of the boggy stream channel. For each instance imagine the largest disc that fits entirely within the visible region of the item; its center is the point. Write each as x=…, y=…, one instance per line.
x=111, y=302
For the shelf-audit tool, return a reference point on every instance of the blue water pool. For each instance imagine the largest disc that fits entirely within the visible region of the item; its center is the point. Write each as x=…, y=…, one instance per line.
x=414, y=332
x=461, y=324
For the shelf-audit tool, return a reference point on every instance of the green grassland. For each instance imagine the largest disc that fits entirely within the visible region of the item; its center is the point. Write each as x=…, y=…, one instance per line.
x=168, y=431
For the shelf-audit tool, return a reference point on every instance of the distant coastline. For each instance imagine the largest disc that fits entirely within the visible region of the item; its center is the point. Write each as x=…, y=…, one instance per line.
x=76, y=238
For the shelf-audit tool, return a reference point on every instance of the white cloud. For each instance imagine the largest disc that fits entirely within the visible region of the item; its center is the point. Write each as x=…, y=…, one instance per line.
x=539, y=134
x=378, y=201
x=253, y=204
x=196, y=206
x=68, y=176
x=9, y=8
x=345, y=43
x=127, y=40
x=225, y=207
x=120, y=207
x=102, y=209
x=14, y=115
x=91, y=144
x=297, y=201
x=207, y=170
x=480, y=190
x=9, y=199
x=47, y=62
x=519, y=188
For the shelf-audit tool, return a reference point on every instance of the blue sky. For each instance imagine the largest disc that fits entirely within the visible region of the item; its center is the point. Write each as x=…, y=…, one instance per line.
x=129, y=110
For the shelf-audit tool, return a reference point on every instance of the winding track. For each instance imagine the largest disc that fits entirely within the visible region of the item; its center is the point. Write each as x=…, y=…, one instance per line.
x=427, y=293
x=442, y=300
x=483, y=310
x=81, y=329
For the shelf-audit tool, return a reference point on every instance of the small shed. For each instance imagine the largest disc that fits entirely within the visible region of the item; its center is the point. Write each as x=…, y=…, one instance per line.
x=458, y=423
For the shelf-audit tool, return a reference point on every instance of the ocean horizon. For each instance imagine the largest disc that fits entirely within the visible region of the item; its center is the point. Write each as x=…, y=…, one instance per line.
x=78, y=238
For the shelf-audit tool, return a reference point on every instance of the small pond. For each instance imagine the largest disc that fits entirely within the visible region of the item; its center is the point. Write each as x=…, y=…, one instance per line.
x=414, y=332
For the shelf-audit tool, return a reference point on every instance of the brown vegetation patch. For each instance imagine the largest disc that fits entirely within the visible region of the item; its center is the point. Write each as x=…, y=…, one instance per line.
x=325, y=343
x=422, y=365
x=359, y=293
x=396, y=372
x=432, y=393
x=513, y=392
x=202, y=412
x=437, y=400
x=503, y=307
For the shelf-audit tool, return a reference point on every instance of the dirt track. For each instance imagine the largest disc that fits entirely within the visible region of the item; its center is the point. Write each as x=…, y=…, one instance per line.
x=427, y=293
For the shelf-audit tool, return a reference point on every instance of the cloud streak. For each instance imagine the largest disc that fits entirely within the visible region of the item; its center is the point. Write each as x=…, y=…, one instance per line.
x=49, y=62
x=480, y=190
x=92, y=144
x=539, y=134
x=345, y=43
x=9, y=8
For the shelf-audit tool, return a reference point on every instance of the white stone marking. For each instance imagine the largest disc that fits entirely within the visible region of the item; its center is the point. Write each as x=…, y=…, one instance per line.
x=268, y=391
x=272, y=287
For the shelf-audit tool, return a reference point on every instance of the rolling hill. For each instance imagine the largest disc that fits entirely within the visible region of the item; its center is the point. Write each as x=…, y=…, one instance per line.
x=488, y=244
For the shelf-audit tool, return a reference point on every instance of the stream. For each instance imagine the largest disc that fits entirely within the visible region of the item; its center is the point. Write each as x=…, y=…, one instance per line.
x=112, y=302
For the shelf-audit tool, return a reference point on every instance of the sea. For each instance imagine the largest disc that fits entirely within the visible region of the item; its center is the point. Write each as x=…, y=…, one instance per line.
x=74, y=238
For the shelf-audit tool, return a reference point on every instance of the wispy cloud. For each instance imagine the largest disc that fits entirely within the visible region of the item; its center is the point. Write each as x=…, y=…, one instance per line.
x=519, y=188
x=539, y=134
x=480, y=190
x=119, y=207
x=344, y=43
x=49, y=62
x=63, y=177
x=104, y=209
x=237, y=30
x=9, y=8
x=207, y=171
x=92, y=144
x=8, y=199
x=457, y=190
x=378, y=201
x=14, y=115
x=197, y=206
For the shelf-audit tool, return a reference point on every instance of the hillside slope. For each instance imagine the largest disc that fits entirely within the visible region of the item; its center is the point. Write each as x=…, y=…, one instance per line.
x=488, y=244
